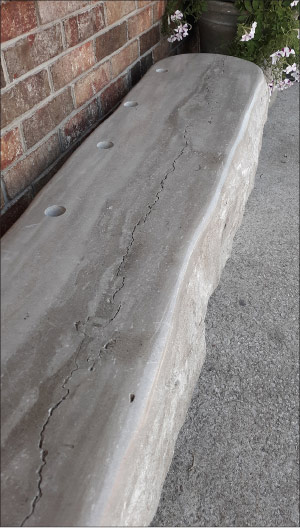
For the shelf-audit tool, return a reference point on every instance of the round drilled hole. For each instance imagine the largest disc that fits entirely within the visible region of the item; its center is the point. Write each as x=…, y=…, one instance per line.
x=130, y=104
x=105, y=144
x=55, y=210
x=161, y=70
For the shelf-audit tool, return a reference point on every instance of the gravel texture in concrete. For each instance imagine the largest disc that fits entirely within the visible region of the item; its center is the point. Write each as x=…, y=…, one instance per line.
x=236, y=459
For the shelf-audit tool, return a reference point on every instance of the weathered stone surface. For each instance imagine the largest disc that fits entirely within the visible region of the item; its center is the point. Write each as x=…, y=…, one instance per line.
x=104, y=306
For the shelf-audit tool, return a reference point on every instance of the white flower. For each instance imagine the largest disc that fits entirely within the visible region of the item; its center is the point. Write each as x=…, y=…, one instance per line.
x=246, y=37
x=250, y=35
x=253, y=28
x=282, y=85
x=288, y=51
x=271, y=88
x=294, y=3
x=296, y=75
x=179, y=29
x=290, y=69
x=275, y=56
x=177, y=16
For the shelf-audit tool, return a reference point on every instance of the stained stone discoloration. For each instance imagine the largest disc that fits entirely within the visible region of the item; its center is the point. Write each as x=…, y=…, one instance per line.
x=116, y=290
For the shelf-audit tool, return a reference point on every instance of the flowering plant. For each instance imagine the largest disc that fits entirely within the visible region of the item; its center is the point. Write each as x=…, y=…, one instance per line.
x=268, y=33
x=177, y=17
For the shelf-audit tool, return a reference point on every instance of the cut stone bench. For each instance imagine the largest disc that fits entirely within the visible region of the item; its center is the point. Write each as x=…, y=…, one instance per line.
x=103, y=306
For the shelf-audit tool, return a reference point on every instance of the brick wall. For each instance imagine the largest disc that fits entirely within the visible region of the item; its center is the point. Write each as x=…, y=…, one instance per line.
x=65, y=65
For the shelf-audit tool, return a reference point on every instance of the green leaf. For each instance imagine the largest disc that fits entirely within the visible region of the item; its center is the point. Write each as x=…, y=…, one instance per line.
x=248, y=6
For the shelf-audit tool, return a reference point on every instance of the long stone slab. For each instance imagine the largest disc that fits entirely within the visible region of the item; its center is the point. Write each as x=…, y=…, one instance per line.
x=103, y=307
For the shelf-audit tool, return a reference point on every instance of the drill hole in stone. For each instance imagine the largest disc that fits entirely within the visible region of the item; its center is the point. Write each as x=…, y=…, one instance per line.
x=55, y=210
x=130, y=104
x=105, y=144
x=131, y=397
x=161, y=70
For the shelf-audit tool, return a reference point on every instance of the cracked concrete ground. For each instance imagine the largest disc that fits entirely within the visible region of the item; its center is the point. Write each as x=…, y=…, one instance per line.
x=236, y=460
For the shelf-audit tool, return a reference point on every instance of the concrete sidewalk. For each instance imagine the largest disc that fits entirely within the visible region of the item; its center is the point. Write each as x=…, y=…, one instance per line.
x=236, y=460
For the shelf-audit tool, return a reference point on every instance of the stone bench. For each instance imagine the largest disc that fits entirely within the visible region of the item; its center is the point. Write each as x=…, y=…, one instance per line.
x=104, y=305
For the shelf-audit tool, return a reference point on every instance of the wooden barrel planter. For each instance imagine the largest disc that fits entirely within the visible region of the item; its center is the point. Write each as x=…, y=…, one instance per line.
x=217, y=26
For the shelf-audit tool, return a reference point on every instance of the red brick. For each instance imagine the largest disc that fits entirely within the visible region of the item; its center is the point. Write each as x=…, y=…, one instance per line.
x=11, y=148
x=67, y=68
x=113, y=94
x=149, y=39
x=2, y=199
x=125, y=57
x=117, y=10
x=47, y=118
x=110, y=41
x=158, y=10
x=82, y=26
x=17, y=18
x=75, y=127
x=139, y=22
x=92, y=83
x=52, y=10
x=143, y=3
x=146, y=63
x=23, y=96
x=135, y=74
x=79, y=124
x=28, y=169
x=16, y=208
x=94, y=112
x=32, y=51
x=3, y=83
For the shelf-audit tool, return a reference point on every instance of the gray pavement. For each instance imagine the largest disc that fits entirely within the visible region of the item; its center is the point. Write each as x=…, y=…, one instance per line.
x=236, y=459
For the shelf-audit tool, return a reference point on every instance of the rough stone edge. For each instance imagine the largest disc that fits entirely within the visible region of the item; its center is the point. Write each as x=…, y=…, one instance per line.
x=134, y=499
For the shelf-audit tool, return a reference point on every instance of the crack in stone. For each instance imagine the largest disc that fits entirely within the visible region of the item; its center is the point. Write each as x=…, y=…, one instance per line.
x=111, y=341
x=144, y=218
x=44, y=452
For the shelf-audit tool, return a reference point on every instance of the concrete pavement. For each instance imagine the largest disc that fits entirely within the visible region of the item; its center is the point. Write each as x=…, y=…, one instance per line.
x=236, y=459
